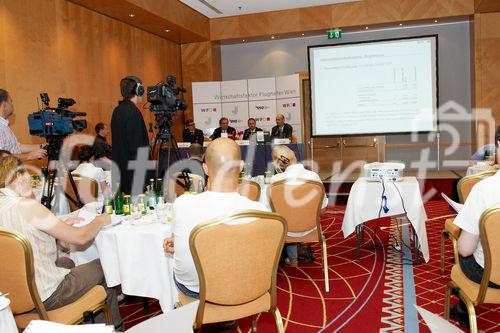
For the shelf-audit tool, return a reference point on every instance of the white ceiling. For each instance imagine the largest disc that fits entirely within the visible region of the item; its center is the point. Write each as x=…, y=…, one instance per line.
x=242, y=7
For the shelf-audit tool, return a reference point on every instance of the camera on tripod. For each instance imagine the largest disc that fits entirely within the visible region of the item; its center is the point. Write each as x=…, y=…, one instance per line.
x=162, y=97
x=56, y=121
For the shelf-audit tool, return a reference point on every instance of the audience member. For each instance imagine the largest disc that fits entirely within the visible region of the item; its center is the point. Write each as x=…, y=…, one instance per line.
x=287, y=167
x=486, y=150
x=281, y=130
x=250, y=132
x=224, y=130
x=102, y=148
x=192, y=134
x=8, y=140
x=471, y=257
x=222, y=165
x=128, y=131
x=86, y=168
x=57, y=286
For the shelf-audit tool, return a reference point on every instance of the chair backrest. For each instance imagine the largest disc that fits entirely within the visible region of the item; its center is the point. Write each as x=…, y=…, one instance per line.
x=465, y=184
x=87, y=190
x=249, y=189
x=175, y=188
x=237, y=263
x=299, y=202
x=17, y=275
x=489, y=230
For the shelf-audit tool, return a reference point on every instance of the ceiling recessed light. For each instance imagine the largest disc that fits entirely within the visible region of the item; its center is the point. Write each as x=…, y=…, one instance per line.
x=243, y=40
x=167, y=30
x=435, y=21
x=131, y=15
x=367, y=28
x=272, y=37
x=400, y=24
x=303, y=34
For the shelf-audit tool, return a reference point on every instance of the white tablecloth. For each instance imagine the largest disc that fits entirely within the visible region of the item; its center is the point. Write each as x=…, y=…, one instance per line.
x=132, y=255
x=364, y=204
x=7, y=322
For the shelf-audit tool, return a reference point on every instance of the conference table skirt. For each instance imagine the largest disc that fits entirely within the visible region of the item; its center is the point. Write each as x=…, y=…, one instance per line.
x=132, y=256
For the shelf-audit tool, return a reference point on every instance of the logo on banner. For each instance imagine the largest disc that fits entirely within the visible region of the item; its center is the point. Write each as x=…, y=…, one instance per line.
x=288, y=105
x=263, y=119
x=235, y=121
x=261, y=107
x=205, y=110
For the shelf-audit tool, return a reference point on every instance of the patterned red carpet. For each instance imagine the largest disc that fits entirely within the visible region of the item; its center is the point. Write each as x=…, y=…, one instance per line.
x=365, y=295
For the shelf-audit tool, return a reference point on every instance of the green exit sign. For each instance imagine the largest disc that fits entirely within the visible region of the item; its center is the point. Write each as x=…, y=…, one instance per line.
x=334, y=33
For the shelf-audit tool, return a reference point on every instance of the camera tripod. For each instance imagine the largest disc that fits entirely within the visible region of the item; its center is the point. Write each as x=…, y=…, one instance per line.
x=163, y=136
x=50, y=173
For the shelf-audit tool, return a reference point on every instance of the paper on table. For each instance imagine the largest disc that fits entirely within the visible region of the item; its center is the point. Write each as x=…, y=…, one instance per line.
x=89, y=217
x=43, y=326
x=455, y=205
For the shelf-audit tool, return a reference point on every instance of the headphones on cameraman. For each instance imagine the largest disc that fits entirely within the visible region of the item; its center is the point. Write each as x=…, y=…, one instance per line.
x=138, y=88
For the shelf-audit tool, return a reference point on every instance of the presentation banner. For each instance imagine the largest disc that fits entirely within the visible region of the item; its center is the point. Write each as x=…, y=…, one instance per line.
x=239, y=100
x=237, y=113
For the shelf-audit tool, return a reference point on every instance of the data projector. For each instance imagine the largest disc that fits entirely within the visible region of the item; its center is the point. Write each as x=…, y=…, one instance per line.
x=389, y=172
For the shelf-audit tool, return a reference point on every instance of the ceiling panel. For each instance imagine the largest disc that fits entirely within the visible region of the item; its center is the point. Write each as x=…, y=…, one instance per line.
x=223, y=8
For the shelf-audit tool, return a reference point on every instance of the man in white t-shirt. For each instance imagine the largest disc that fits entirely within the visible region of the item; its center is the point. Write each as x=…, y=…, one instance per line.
x=483, y=195
x=287, y=167
x=222, y=165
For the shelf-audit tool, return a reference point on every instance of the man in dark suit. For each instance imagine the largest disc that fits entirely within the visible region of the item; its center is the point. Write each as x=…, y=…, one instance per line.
x=281, y=130
x=192, y=134
x=251, y=131
x=224, y=130
x=128, y=132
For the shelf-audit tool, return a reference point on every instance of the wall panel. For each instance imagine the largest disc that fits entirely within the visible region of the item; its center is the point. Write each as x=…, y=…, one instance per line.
x=64, y=49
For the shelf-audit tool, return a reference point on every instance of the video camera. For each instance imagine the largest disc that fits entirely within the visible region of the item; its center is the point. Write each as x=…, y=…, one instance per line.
x=162, y=97
x=55, y=121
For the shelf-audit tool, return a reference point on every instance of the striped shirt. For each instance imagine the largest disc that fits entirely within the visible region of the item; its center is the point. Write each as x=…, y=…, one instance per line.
x=47, y=275
x=8, y=140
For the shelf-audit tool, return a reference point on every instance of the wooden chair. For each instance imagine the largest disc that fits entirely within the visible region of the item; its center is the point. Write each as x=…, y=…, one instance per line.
x=471, y=293
x=17, y=277
x=237, y=266
x=174, y=185
x=249, y=189
x=299, y=202
x=87, y=190
x=451, y=231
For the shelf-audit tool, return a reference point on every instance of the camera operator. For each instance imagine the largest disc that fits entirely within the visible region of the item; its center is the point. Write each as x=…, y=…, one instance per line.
x=8, y=140
x=128, y=130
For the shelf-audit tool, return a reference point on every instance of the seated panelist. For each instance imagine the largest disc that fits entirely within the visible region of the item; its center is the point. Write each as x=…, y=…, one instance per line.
x=251, y=132
x=224, y=130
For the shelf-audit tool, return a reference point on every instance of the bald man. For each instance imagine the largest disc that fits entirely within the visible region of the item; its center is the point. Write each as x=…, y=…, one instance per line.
x=281, y=130
x=222, y=165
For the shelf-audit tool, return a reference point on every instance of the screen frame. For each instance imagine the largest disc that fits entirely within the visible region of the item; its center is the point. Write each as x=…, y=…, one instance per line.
x=309, y=47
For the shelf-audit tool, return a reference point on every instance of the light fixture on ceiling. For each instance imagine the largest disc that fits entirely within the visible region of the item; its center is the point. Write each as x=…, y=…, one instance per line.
x=435, y=21
x=167, y=30
x=400, y=24
x=131, y=15
x=243, y=40
x=272, y=37
x=366, y=28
